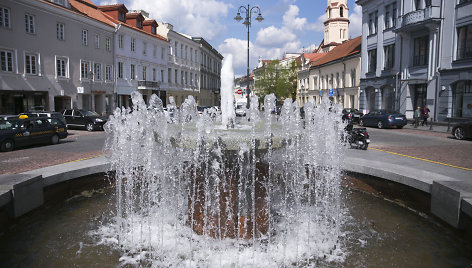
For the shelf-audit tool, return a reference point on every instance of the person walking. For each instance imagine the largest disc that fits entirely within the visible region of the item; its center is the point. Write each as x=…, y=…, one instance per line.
x=425, y=115
x=416, y=116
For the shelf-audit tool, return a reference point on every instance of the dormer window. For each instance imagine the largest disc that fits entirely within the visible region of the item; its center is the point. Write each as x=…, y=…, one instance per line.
x=59, y=2
x=153, y=30
x=121, y=16
x=139, y=24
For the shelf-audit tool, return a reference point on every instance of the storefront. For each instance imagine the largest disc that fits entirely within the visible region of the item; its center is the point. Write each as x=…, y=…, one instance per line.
x=15, y=102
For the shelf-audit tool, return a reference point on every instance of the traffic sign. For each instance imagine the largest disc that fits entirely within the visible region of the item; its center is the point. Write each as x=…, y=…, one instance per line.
x=240, y=91
x=330, y=92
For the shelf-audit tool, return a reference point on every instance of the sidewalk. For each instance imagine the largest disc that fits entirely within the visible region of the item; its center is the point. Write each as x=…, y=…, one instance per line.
x=437, y=127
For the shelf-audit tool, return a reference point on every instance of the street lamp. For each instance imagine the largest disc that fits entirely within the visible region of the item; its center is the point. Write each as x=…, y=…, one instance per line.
x=247, y=22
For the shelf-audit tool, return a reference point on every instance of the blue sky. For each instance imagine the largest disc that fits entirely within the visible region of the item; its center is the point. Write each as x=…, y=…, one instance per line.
x=288, y=25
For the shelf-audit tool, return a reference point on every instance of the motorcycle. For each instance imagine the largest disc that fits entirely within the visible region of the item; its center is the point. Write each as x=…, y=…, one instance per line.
x=357, y=137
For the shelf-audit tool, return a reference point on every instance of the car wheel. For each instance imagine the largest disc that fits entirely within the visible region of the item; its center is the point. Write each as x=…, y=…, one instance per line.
x=7, y=145
x=54, y=139
x=459, y=133
x=399, y=127
x=361, y=123
x=364, y=146
x=89, y=126
x=379, y=124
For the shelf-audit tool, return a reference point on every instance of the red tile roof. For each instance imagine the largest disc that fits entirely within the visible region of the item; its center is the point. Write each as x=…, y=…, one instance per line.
x=94, y=12
x=348, y=48
x=312, y=57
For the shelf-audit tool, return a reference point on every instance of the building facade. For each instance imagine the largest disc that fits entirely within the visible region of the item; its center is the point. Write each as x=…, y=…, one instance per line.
x=336, y=75
x=417, y=54
x=183, y=68
x=210, y=73
x=336, y=25
x=53, y=57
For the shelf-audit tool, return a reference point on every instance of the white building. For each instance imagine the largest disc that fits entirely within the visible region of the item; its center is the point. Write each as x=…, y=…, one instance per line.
x=183, y=68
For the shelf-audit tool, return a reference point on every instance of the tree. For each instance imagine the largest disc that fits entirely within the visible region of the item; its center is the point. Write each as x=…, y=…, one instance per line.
x=275, y=78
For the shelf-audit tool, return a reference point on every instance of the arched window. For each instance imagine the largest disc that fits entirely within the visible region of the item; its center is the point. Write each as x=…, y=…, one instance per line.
x=341, y=12
x=462, y=99
x=329, y=13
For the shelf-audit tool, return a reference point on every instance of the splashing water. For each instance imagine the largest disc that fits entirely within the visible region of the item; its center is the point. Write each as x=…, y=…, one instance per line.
x=190, y=194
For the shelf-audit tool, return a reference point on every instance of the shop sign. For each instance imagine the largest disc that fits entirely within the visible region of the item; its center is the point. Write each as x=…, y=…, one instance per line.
x=80, y=90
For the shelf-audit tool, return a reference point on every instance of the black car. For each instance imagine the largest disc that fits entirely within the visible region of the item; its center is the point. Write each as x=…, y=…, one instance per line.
x=46, y=114
x=383, y=119
x=83, y=118
x=351, y=114
x=23, y=131
x=462, y=130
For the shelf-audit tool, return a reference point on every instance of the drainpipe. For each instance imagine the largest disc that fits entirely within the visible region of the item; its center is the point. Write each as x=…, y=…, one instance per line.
x=438, y=63
x=115, y=68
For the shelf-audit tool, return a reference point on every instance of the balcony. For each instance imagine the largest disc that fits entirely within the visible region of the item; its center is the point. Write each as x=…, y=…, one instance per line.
x=419, y=18
x=152, y=85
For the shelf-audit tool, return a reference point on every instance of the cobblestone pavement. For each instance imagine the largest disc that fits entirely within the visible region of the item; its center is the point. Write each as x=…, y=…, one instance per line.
x=78, y=145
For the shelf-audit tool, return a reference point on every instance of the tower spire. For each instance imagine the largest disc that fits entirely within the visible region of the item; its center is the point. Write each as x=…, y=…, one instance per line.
x=336, y=25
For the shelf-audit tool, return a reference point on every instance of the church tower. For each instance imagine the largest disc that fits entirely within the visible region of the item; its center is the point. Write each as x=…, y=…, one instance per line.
x=336, y=25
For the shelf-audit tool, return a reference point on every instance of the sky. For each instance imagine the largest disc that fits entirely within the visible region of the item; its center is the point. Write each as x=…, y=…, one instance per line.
x=289, y=26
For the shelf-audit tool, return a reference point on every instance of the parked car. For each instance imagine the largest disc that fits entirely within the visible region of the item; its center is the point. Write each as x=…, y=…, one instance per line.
x=462, y=130
x=383, y=119
x=46, y=114
x=83, y=118
x=23, y=131
x=352, y=114
x=240, y=109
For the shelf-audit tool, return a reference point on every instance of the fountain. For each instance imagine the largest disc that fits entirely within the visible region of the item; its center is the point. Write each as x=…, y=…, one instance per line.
x=200, y=192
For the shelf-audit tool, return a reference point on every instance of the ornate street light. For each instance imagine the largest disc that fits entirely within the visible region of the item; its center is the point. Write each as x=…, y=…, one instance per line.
x=247, y=22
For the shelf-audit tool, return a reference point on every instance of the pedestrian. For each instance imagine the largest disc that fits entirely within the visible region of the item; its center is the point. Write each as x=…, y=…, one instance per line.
x=416, y=116
x=425, y=115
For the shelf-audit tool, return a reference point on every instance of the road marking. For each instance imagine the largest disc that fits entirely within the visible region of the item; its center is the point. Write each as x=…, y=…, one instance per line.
x=422, y=159
x=83, y=159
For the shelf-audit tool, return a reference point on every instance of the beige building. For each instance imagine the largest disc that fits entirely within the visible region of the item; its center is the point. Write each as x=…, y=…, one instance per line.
x=336, y=75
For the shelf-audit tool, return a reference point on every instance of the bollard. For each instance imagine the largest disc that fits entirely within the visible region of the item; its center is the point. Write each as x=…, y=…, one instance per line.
x=431, y=124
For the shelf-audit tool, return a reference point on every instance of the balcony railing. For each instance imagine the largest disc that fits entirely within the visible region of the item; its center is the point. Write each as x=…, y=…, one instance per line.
x=431, y=12
x=143, y=84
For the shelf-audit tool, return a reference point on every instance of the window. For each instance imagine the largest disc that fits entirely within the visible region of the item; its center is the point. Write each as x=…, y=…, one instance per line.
x=60, y=31
x=153, y=29
x=120, y=41
x=461, y=94
x=464, y=1
x=154, y=74
x=139, y=24
x=175, y=48
x=4, y=17
x=186, y=78
x=108, y=72
x=373, y=22
x=97, y=41
x=169, y=74
x=394, y=14
x=182, y=51
x=144, y=48
x=162, y=76
x=389, y=57
x=97, y=71
x=186, y=55
x=154, y=51
x=108, y=44
x=196, y=56
x=175, y=76
x=120, y=70
x=31, y=64
x=29, y=23
x=6, y=61
x=341, y=12
x=191, y=54
x=353, y=77
x=84, y=37
x=84, y=69
x=121, y=16
x=387, y=17
x=163, y=51
x=420, y=56
x=181, y=77
x=464, y=42
x=133, y=44
x=144, y=73
x=133, y=71
x=372, y=55
x=61, y=67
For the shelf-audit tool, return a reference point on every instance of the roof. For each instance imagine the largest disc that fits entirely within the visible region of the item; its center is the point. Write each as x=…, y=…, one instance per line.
x=94, y=12
x=312, y=57
x=348, y=48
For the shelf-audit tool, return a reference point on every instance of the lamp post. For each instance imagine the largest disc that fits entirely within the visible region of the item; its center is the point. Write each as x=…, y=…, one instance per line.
x=247, y=22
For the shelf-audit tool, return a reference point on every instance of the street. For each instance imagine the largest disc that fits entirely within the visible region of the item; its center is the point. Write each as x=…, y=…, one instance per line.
x=423, y=144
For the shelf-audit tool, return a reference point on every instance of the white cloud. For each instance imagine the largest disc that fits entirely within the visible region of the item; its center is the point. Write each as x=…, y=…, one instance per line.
x=272, y=36
x=291, y=21
x=355, y=27
x=196, y=18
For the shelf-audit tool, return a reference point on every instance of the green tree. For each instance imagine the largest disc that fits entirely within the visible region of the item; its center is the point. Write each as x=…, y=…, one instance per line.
x=277, y=79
